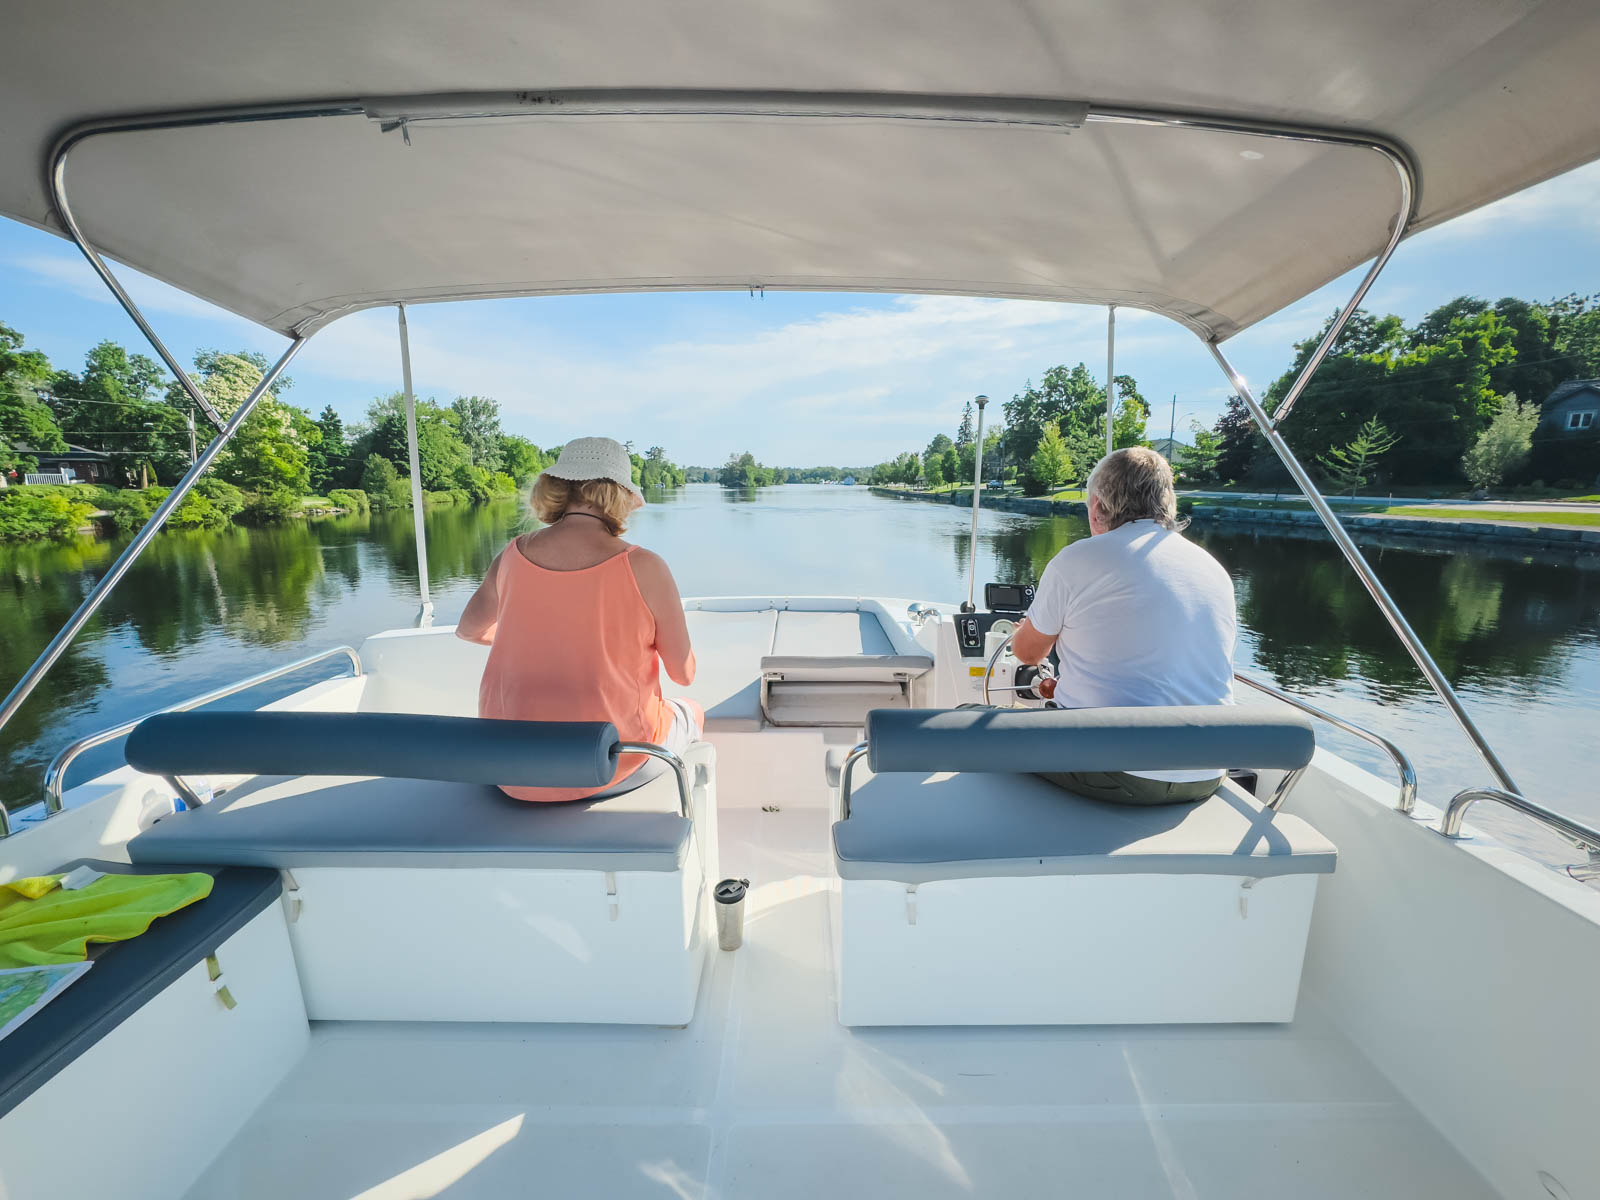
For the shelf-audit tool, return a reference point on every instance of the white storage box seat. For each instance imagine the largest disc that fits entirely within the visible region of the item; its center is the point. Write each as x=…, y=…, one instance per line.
x=974, y=894
x=77, y=1074
x=800, y=666
x=394, y=844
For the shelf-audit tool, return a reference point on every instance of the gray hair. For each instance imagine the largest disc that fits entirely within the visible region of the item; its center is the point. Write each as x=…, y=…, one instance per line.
x=1134, y=485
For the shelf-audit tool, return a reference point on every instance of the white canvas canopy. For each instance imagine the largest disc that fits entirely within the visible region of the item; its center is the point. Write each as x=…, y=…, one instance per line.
x=293, y=222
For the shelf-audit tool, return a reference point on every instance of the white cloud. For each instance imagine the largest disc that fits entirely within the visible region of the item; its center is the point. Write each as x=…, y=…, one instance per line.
x=69, y=272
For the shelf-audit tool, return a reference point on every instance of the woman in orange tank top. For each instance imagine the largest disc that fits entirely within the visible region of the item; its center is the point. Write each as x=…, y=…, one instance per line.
x=579, y=623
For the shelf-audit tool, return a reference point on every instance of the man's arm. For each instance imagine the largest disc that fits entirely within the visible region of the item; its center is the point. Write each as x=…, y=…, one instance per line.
x=1029, y=645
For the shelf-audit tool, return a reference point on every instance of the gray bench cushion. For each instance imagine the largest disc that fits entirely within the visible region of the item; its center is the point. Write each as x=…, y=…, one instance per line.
x=828, y=635
x=916, y=828
x=277, y=821
x=1087, y=739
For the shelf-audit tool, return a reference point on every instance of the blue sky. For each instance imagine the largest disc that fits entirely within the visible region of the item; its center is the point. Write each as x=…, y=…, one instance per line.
x=798, y=378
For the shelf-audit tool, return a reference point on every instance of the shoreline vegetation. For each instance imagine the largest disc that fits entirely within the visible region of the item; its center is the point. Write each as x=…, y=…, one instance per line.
x=135, y=431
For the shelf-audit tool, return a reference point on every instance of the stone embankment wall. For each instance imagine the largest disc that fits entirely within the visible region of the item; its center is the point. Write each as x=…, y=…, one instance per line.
x=1581, y=541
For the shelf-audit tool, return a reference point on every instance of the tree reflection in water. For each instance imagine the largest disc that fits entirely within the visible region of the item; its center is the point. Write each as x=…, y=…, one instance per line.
x=1517, y=631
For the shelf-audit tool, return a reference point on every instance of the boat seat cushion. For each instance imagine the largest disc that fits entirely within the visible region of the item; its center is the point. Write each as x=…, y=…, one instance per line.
x=294, y=821
x=126, y=975
x=919, y=827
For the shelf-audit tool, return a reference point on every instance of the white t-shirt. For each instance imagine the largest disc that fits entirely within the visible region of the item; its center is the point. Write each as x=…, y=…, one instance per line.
x=1141, y=616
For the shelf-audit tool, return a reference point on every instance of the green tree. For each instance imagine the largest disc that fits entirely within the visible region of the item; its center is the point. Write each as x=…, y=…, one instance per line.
x=964, y=432
x=939, y=445
x=1075, y=403
x=270, y=451
x=1052, y=461
x=24, y=416
x=1575, y=330
x=1199, y=463
x=933, y=470
x=440, y=449
x=478, y=424
x=383, y=484
x=328, y=458
x=658, y=471
x=521, y=459
x=1347, y=465
x=950, y=463
x=114, y=407
x=1238, y=441
x=1504, y=445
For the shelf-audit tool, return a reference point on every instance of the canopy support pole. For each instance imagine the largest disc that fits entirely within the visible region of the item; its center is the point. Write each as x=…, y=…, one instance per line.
x=1111, y=378
x=1358, y=562
x=424, y=618
x=102, y=589
x=977, y=499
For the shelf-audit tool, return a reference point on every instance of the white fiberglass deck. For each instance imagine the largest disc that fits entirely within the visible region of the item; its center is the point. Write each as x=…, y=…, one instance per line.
x=766, y=1094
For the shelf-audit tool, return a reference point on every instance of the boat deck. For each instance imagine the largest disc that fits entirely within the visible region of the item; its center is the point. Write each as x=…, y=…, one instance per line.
x=765, y=1094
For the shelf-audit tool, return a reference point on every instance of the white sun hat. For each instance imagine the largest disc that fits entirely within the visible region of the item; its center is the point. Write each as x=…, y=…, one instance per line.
x=595, y=458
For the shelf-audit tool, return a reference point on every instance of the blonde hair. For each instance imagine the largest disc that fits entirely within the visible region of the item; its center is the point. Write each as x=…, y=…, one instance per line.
x=552, y=497
x=1134, y=485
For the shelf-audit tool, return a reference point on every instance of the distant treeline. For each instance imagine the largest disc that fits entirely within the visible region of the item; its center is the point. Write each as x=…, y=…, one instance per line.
x=280, y=463
x=742, y=470
x=1452, y=400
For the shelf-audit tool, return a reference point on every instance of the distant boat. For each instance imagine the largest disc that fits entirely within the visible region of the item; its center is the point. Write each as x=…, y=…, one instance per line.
x=849, y=481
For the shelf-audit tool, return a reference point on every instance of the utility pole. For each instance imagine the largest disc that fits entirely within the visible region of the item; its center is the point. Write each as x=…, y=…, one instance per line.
x=1172, y=426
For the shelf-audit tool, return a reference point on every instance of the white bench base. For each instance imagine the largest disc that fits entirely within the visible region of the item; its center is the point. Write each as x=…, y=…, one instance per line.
x=1071, y=949
x=141, y=1113
x=500, y=944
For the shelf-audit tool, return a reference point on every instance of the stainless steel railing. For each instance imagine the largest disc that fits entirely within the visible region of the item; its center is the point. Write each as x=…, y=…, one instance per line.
x=55, y=773
x=1575, y=832
x=1407, y=802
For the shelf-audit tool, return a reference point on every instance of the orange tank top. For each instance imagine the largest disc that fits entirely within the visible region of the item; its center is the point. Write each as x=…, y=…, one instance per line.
x=575, y=646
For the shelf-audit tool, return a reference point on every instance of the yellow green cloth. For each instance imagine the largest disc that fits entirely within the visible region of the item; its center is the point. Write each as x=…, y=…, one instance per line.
x=42, y=923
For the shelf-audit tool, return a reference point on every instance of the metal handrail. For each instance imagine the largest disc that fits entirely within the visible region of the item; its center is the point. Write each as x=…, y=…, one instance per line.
x=56, y=772
x=1408, y=774
x=1579, y=834
x=679, y=768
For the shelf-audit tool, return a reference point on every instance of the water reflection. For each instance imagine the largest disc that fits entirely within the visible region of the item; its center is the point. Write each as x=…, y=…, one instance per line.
x=1519, y=633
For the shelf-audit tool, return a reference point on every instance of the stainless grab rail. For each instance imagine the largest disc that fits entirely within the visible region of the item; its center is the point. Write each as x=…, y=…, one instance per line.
x=56, y=772
x=1580, y=835
x=1408, y=774
x=679, y=768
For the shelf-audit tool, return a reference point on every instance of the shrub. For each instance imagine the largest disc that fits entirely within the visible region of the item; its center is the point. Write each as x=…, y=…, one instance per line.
x=350, y=499
x=225, y=498
x=447, y=497
x=130, y=508
x=42, y=512
x=504, y=485
x=377, y=475
x=271, y=508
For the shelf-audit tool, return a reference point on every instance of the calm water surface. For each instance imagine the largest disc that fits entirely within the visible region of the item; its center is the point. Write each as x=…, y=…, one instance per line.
x=1518, y=634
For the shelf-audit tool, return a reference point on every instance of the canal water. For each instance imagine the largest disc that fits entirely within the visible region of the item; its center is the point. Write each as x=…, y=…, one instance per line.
x=1519, y=634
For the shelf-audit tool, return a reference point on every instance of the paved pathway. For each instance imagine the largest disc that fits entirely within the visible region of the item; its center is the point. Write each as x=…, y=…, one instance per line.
x=1527, y=506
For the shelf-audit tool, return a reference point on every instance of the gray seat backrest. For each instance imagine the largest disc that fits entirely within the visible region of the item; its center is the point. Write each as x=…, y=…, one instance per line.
x=1088, y=739
x=390, y=745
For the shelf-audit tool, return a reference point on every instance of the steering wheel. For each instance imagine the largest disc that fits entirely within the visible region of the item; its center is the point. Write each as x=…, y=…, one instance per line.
x=1040, y=686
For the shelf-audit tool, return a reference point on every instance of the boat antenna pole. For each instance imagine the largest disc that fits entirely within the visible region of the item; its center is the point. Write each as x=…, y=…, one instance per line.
x=1111, y=378
x=977, y=498
x=425, y=612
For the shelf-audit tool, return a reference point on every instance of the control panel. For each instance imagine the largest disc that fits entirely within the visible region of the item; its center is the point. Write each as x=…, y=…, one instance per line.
x=1007, y=603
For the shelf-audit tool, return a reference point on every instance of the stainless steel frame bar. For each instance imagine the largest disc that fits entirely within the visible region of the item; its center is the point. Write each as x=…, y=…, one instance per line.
x=679, y=769
x=1579, y=834
x=55, y=774
x=1369, y=578
x=1407, y=802
x=91, y=604
x=425, y=612
x=845, y=771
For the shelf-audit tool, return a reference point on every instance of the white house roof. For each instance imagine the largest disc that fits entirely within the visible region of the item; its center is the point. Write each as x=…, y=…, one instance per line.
x=291, y=223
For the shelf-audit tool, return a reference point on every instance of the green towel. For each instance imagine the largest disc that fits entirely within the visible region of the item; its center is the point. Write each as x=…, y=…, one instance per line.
x=41, y=923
